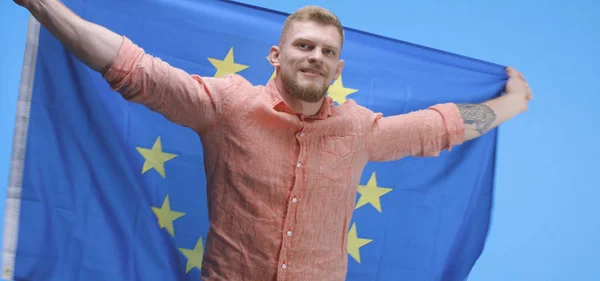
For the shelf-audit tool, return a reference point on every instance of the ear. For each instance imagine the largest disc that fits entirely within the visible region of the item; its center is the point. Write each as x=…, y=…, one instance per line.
x=274, y=56
x=339, y=69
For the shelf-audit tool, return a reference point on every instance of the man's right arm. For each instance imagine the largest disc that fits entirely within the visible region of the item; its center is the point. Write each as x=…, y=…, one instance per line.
x=188, y=100
x=93, y=44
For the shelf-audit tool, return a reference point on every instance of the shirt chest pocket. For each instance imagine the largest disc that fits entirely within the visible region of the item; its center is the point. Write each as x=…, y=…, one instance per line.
x=336, y=156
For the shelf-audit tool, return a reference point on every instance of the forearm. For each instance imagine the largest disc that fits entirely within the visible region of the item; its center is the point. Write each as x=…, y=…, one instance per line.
x=94, y=45
x=483, y=117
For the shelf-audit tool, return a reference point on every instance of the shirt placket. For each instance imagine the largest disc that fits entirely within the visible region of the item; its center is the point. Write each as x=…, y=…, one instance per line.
x=289, y=224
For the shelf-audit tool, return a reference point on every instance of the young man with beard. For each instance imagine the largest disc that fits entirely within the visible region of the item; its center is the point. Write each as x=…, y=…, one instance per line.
x=282, y=163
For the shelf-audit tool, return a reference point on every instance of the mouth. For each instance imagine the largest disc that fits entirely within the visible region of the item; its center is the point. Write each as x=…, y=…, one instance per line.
x=311, y=72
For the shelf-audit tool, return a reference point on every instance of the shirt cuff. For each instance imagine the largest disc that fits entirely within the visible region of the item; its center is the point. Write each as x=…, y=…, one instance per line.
x=123, y=64
x=455, y=126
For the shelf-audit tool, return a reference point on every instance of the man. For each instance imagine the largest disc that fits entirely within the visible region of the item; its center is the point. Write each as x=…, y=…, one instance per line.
x=282, y=163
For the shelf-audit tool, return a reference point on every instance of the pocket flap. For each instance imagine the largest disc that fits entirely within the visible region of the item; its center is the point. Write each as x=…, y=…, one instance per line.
x=338, y=145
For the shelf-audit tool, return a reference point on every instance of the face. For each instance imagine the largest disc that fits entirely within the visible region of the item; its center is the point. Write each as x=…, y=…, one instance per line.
x=308, y=59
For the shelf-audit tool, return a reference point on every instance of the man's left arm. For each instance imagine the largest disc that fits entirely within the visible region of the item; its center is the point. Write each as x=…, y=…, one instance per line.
x=428, y=132
x=480, y=118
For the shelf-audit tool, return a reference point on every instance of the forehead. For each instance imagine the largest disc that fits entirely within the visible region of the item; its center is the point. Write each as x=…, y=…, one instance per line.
x=315, y=32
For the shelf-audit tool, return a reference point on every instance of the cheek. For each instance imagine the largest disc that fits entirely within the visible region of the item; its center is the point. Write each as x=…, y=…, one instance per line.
x=332, y=71
x=290, y=70
x=287, y=66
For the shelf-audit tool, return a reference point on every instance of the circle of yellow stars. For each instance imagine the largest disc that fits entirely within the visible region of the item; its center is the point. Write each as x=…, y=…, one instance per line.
x=155, y=159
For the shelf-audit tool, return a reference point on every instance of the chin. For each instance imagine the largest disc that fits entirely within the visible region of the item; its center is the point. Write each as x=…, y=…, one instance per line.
x=306, y=90
x=311, y=94
x=311, y=99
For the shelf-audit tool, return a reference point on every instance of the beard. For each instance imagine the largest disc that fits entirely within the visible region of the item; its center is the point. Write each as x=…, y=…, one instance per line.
x=312, y=92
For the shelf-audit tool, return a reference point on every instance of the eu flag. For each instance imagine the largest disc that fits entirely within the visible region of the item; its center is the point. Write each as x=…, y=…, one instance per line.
x=84, y=201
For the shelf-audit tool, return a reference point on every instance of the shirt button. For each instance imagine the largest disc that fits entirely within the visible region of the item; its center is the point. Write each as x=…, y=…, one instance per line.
x=289, y=233
x=283, y=266
x=294, y=200
x=299, y=164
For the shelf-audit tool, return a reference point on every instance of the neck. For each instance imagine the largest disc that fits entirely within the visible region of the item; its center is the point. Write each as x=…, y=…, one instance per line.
x=298, y=105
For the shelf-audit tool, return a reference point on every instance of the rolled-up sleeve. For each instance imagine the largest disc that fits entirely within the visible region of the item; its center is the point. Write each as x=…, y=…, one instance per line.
x=420, y=133
x=189, y=100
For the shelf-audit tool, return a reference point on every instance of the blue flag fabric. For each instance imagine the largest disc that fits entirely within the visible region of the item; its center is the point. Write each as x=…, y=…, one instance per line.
x=82, y=205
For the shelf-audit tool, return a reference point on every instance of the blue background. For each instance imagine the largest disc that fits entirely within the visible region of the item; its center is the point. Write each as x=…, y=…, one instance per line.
x=544, y=224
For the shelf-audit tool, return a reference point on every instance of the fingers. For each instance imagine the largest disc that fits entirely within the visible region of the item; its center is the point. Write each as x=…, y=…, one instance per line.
x=511, y=71
x=529, y=96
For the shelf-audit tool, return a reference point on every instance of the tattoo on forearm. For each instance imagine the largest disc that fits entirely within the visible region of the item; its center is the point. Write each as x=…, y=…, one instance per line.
x=480, y=116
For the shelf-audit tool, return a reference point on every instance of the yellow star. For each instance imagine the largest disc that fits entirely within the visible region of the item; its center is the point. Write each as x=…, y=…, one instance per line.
x=226, y=66
x=155, y=158
x=371, y=193
x=354, y=243
x=194, y=256
x=274, y=72
x=337, y=91
x=166, y=217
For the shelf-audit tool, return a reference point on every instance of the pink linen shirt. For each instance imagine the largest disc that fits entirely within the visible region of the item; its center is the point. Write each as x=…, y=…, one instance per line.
x=281, y=187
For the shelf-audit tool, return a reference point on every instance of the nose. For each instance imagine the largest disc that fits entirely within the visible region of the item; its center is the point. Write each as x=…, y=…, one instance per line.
x=316, y=56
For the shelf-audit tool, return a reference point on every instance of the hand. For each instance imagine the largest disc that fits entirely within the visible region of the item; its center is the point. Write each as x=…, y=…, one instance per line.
x=518, y=87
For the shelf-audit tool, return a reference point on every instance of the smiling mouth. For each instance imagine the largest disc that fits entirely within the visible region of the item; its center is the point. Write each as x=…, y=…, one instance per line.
x=311, y=71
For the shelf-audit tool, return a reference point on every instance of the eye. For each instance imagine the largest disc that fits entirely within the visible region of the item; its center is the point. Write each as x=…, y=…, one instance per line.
x=330, y=52
x=303, y=45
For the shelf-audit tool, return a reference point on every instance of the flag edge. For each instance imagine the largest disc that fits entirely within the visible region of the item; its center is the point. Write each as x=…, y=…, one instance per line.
x=17, y=164
x=381, y=37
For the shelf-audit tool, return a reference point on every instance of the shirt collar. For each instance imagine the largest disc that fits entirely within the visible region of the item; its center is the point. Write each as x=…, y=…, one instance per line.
x=281, y=106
